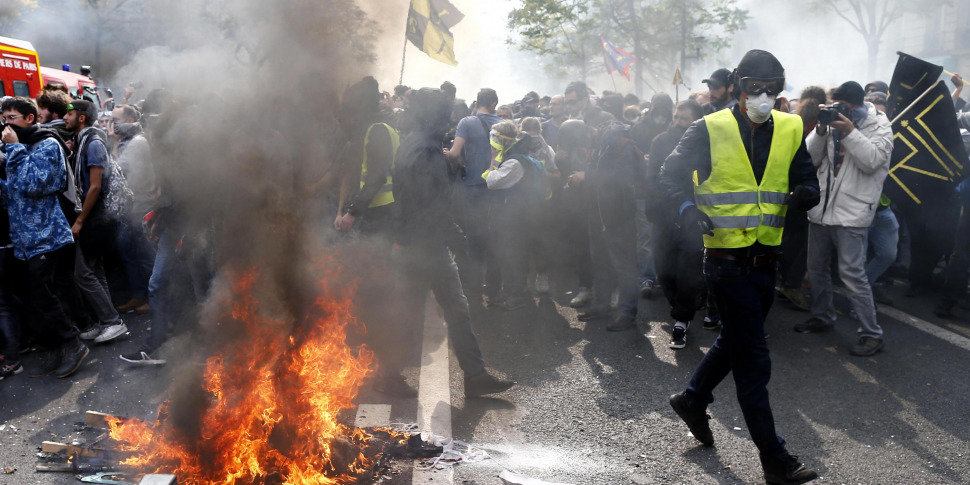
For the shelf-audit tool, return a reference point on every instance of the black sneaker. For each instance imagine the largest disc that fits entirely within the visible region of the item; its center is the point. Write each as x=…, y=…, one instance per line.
x=711, y=324
x=648, y=289
x=943, y=310
x=72, y=355
x=10, y=368
x=813, y=325
x=786, y=471
x=50, y=360
x=696, y=419
x=866, y=347
x=513, y=303
x=880, y=294
x=485, y=383
x=142, y=358
x=678, y=339
x=394, y=385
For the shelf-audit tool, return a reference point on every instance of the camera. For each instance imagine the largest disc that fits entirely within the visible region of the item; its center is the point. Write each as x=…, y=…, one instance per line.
x=829, y=114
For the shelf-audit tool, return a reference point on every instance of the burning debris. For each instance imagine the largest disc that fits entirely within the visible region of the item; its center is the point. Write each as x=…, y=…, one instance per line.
x=265, y=413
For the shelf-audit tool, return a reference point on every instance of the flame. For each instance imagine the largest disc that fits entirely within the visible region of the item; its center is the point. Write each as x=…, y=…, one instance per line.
x=274, y=395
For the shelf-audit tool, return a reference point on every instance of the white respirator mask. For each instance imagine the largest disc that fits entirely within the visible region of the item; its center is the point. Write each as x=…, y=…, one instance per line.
x=759, y=107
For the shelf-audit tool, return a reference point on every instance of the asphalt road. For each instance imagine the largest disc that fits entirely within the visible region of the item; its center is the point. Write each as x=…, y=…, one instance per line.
x=591, y=406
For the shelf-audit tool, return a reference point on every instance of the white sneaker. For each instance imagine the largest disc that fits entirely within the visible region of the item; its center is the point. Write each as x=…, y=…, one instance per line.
x=542, y=284
x=582, y=298
x=92, y=333
x=111, y=332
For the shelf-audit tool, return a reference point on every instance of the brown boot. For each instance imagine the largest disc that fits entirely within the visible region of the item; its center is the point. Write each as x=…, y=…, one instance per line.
x=142, y=309
x=131, y=305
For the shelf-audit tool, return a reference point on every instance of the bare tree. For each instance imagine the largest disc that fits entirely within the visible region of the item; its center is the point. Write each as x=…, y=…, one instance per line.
x=871, y=18
x=10, y=11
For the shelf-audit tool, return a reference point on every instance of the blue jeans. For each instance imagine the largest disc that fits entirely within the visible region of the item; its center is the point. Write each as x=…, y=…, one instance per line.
x=160, y=297
x=645, y=244
x=744, y=295
x=137, y=257
x=883, y=239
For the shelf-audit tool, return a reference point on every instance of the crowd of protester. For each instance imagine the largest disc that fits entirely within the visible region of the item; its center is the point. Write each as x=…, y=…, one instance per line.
x=480, y=204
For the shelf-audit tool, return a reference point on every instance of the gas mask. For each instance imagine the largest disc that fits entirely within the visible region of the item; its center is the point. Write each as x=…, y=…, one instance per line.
x=759, y=107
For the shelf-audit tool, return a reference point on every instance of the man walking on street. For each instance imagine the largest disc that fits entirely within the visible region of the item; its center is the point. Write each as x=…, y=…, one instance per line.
x=851, y=151
x=733, y=175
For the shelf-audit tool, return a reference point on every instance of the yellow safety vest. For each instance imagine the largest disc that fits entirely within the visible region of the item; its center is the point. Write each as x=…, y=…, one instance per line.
x=385, y=196
x=744, y=212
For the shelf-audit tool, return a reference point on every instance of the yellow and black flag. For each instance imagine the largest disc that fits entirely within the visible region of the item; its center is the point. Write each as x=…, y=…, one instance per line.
x=928, y=156
x=428, y=24
x=911, y=78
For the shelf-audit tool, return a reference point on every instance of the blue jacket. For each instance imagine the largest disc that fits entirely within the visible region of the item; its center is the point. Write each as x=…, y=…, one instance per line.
x=35, y=177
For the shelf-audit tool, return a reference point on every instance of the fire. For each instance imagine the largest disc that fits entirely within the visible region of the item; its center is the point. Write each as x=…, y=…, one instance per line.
x=273, y=396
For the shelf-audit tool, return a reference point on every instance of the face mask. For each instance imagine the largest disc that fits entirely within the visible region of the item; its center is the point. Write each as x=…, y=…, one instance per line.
x=858, y=115
x=759, y=107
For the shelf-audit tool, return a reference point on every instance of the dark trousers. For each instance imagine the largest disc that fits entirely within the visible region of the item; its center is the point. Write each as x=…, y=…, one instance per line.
x=931, y=231
x=53, y=328
x=512, y=227
x=427, y=267
x=958, y=270
x=744, y=295
x=482, y=262
x=679, y=268
x=9, y=314
x=794, y=249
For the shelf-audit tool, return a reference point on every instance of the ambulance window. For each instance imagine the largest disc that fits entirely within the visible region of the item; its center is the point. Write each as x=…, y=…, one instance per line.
x=3, y=90
x=21, y=88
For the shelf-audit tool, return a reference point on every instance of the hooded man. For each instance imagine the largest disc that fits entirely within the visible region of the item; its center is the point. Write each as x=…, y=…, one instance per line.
x=732, y=177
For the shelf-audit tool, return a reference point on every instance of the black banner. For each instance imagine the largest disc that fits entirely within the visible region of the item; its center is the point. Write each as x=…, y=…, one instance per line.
x=928, y=155
x=911, y=78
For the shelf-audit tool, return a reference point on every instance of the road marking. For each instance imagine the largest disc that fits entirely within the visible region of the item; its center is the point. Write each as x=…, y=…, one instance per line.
x=373, y=416
x=919, y=323
x=927, y=327
x=434, y=391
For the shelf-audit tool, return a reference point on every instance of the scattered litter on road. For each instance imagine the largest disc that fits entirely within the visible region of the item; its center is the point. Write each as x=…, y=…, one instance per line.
x=737, y=428
x=453, y=452
x=510, y=478
x=8, y=470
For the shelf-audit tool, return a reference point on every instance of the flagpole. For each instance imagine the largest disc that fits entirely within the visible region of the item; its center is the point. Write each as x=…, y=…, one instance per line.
x=917, y=100
x=614, y=82
x=404, y=54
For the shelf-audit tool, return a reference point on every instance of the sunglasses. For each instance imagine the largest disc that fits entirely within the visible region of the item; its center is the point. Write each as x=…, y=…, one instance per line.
x=756, y=86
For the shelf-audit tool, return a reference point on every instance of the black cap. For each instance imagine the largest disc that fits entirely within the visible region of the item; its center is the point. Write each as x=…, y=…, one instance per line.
x=531, y=98
x=759, y=64
x=877, y=86
x=718, y=78
x=850, y=92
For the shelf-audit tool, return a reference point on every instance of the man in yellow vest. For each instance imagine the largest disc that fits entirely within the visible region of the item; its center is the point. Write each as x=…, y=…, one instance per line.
x=376, y=142
x=734, y=174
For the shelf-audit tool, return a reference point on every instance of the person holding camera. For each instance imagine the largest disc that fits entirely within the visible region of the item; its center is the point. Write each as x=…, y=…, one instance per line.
x=851, y=147
x=732, y=177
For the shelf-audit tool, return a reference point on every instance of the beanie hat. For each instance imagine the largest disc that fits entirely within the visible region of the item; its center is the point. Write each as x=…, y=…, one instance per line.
x=850, y=92
x=759, y=64
x=877, y=86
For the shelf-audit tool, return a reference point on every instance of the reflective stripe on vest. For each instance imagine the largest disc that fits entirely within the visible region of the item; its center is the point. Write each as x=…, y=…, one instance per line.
x=385, y=196
x=742, y=211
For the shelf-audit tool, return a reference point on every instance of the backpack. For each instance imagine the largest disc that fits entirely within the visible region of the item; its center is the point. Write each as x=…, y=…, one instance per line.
x=115, y=194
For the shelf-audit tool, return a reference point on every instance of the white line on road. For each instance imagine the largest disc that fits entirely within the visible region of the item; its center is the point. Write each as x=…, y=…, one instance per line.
x=919, y=323
x=927, y=327
x=434, y=391
x=373, y=416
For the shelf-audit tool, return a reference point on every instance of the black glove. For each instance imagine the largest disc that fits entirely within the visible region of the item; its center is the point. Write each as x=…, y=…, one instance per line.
x=696, y=221
x=802, y=198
